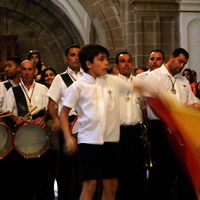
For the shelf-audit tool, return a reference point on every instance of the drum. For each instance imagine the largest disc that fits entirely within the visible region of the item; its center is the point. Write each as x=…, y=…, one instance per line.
x=74, y=127
x=31, y=140
x=6, y=140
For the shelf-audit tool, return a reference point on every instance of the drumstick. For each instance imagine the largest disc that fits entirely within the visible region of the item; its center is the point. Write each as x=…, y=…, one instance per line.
x=7, y=115
x=2, y=113
x=29, y=113
x=37, y=111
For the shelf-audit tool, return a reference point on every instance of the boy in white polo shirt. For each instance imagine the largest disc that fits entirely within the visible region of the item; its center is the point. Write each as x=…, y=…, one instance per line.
x=95, y=96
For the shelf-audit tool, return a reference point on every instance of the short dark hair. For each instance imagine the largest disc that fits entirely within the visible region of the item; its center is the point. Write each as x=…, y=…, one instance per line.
x=15, y=59
x=71, y=46
x=160, y=51
x=88, y=52
x=117, y=56
x=179, y=51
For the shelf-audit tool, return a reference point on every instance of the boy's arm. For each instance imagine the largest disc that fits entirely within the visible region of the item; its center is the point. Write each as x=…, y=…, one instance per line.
x=54, y=114
x=70, y=144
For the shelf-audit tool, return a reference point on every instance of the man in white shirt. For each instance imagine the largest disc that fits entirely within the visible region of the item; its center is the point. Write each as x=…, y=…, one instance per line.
x=167, y=78
x=156, y=59
x=131, y=183
x=56, y=95
x=20, y=100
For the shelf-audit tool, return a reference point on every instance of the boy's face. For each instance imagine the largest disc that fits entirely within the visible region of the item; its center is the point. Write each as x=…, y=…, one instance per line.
x=99, y=66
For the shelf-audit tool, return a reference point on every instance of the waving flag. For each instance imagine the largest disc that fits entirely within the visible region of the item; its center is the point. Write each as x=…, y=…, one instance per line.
x=183, y=135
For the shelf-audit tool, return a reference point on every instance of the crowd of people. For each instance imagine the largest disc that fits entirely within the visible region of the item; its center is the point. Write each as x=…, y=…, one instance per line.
x=120, y=135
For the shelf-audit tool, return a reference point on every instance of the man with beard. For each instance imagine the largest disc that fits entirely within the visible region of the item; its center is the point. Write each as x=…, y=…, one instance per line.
x=12, y=72
x=167, y=78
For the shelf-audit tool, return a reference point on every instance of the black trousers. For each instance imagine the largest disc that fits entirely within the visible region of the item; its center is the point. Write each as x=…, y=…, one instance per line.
x=68, y=175
x=8, y=171
x=131, y=182
x=167, y=169
x=24, y=179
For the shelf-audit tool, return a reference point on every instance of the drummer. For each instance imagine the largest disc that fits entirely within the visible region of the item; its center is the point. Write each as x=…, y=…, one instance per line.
x=21, y=100
x=12, y=72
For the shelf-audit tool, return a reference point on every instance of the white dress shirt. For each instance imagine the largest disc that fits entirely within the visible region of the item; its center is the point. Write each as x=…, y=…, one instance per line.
x=130, y=111
x=160, y=80
x=97, y=104
x=58, y=87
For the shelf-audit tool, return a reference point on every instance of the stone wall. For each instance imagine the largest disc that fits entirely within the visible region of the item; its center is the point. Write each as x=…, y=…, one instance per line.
x=40, y=25
x=137, y=26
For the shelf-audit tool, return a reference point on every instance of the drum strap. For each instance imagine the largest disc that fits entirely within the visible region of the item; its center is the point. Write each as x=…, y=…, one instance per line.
x=7, y=84
x=20, y=99
x=66, y=78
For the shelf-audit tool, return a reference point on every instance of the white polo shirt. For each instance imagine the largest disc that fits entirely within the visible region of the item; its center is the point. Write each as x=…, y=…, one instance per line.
x=160, y=80
x=130, y=103
x=97, y=104
x=57, y=89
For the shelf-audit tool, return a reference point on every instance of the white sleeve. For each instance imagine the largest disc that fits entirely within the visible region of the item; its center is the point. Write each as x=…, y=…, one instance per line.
x=3, y=91
x=151, y=85
x=71, y=97
x=9, y=103
x=54, y=92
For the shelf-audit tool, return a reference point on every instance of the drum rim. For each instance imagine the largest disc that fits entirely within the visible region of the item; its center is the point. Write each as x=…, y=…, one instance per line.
x=10, y=146
x=72, y=125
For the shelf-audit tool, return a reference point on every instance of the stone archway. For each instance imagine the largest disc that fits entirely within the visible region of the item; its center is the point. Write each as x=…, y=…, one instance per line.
x=107, y=18
x=40, y=25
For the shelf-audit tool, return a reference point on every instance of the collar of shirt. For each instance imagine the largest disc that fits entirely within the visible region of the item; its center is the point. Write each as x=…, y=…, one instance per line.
x=13, y=83
x=147, y=72
x=91, y=78
x=23, y=86
x=72, y=73
x=124, y=77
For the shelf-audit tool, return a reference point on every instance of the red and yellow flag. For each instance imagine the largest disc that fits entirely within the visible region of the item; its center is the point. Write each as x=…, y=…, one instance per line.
x=184, y=135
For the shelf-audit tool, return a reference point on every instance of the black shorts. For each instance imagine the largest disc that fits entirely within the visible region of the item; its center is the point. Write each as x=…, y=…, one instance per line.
x=99, y=159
